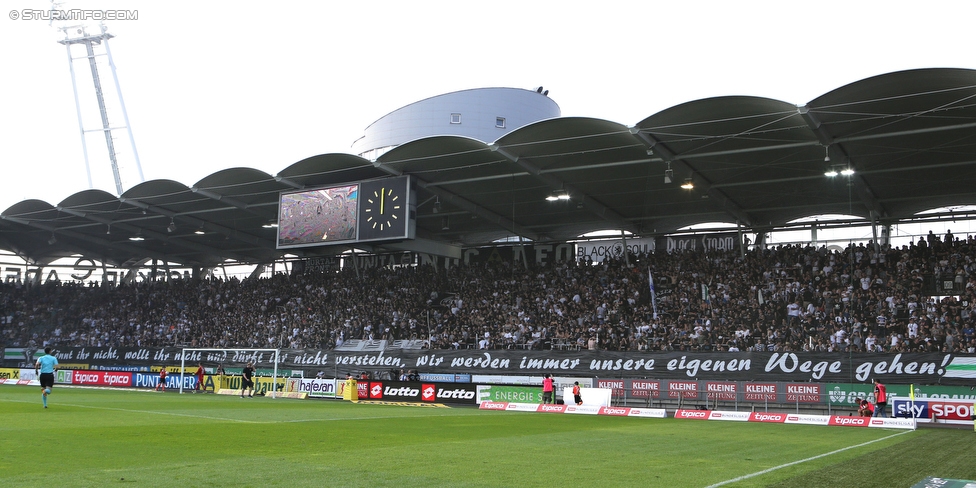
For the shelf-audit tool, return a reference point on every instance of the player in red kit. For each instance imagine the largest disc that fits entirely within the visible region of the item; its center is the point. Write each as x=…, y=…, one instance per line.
x=547, y=389
x=865, y=409
x=161, y=386
x=880, y=399
x=199, y=378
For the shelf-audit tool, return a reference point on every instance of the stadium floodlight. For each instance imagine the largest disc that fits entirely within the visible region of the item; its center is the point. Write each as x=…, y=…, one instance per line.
x=557, y=195
x=248, y=354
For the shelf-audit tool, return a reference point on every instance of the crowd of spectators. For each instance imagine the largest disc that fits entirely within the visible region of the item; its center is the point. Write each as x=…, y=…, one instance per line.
x=864, y=298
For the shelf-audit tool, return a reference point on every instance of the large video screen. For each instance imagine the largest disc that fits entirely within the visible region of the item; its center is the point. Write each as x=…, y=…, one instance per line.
x=315, y=217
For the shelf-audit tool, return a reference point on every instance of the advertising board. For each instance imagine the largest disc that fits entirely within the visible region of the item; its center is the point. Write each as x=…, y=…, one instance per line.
x=316, y=388
x=460, y=393
x=102, y=378
x=948, y=411
x=804, y=392
x=500, y=393
x=644, y=388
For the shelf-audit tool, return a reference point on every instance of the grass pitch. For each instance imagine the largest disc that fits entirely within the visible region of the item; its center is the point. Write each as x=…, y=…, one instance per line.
x=94, y=437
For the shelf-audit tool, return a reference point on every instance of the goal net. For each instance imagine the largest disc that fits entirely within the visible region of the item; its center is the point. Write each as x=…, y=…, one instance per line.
x=190, y=357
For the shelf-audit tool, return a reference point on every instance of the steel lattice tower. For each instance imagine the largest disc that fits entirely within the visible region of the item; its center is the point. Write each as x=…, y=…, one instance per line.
x=96, y=45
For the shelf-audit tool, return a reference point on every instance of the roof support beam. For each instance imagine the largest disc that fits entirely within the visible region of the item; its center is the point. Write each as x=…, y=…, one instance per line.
x=191, y=246
x=730, y=207
x=716, y=195
x=226, y=199
x=227, y=231
x=555, y=183
x=98, y=242
x=289, y=182
x=838, y=140
x=482, y=213
x=425, y=246
x=465, y=204
x=653, y=145
x=831, y=144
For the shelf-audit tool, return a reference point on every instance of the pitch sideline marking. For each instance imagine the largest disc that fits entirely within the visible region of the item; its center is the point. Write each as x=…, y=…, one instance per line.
x=781, y=466
x=145, y=411
x=332, y=419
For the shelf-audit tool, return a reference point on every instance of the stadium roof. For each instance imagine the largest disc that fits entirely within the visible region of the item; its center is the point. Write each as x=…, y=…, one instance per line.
x=909, y=136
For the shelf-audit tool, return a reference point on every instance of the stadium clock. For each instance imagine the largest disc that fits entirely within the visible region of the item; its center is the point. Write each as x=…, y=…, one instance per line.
x=383, y=209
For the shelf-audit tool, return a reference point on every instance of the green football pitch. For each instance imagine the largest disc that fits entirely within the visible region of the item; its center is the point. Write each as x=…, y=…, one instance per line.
x=91, y=437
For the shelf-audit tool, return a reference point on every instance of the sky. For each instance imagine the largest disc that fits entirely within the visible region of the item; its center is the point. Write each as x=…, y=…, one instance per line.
x=215, y=85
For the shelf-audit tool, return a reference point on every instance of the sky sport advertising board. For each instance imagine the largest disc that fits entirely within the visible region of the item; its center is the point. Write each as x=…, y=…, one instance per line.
x=848, y=394
x=944, y=411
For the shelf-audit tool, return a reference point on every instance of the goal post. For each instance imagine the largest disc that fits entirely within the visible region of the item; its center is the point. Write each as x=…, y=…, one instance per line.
x=248, y=355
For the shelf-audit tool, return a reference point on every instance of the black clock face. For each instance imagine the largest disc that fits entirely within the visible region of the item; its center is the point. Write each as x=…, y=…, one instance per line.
x=383, y=209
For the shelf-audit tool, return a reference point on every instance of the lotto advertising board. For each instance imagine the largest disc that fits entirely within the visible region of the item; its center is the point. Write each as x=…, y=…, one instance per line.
x=398, y=391
x=942, y=411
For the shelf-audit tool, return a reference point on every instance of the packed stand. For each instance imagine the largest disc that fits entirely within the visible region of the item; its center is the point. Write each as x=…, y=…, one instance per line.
x=787, y=298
